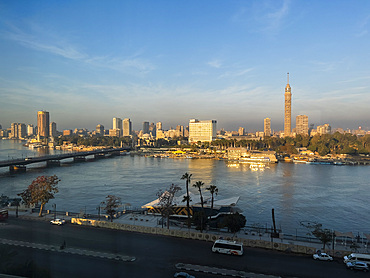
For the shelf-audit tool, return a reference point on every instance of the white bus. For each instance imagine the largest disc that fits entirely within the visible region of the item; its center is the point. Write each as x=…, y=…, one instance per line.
x=227, y=247
x=357, y=257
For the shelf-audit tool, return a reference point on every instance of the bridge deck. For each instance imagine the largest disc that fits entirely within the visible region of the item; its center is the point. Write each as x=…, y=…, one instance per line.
x=36, y=159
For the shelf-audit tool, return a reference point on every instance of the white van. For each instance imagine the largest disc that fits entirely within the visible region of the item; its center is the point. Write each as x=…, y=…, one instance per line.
x=354, y=257
x=227, y=247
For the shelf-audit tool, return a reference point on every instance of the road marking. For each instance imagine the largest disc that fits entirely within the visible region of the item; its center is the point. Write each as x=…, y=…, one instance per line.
x=221, y=271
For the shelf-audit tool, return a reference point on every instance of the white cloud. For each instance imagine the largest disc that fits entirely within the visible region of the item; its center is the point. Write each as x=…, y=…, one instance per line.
x=41, y=40
x=215, y=64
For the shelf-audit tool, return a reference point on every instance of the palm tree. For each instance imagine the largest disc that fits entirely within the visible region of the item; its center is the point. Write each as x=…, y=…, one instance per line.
x=187, y=178
x=199, y=185
x=213, y=190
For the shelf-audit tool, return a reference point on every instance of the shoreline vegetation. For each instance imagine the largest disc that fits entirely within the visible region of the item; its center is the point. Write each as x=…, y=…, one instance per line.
x=337, y=148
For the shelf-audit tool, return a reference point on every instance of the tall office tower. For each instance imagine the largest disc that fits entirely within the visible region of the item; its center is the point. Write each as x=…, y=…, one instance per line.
x=288, y=110
x=267, y=126
x=204, y=131
x=301, y=124
x=145, y=127
x=53, y=129
x=241, y=131
x=14, y=130
x=43, y=124
x=22, y=130
x=117, y=125
x=152, y=129
x=100, y=130
x=159, y=126
x=126, y=127
x=30, y=130
x=180, y=131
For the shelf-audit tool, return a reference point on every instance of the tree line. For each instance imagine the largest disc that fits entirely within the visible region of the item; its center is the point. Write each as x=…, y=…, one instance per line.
x=336, y=143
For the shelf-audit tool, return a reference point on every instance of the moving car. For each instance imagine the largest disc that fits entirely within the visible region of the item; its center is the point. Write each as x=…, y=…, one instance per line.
x=57, y=222
x=358, y=266
x=357, y=257
x=322, y=257
x=183, y=275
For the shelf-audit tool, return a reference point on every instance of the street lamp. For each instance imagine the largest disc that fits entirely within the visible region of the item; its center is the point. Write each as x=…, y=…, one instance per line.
x=98, y=208
x=55, y=210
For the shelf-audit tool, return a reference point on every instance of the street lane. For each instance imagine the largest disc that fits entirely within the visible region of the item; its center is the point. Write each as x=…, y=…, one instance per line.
x=157, y=255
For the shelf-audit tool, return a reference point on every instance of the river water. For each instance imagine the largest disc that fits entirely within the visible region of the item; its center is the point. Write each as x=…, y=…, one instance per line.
x=336, y=196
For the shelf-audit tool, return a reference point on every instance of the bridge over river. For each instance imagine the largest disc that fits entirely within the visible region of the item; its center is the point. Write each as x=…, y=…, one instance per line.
x=19, y=164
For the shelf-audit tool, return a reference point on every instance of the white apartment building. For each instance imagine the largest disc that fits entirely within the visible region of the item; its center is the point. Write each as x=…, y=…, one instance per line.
x=203, y=131
x=301, y=124
x=126, y=127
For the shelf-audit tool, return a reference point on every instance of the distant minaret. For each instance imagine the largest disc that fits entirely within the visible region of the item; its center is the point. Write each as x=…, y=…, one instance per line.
x=288, y=110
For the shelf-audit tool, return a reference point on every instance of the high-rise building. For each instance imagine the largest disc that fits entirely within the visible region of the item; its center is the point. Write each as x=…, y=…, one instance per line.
x=324, y=129
x=43, y=124
x=145, y=127
x=203, y=131
x=100, y=130
x=152, y=129
x=267, y=127
x=159, y=126
x=53, y=129
x=241, y=131
x=30, y=130
x=14, y=130
x=126, y=127
x=18, y=130
x=301, y=124
x=117, y=124
x=288, y=110
x=180, y=131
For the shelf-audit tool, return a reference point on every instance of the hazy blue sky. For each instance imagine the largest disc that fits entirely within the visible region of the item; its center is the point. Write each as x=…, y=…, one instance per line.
x=89, y=61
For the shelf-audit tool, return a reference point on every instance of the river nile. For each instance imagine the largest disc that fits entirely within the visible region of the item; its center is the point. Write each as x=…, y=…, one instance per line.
x=336, y=196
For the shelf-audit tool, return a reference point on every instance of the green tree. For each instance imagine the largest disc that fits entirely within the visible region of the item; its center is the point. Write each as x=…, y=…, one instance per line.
x=315, y=229
x=111, y=204
x=187, y=178
x=234, y=222
x=213, y=190
x=166, y=203
x=41, y=190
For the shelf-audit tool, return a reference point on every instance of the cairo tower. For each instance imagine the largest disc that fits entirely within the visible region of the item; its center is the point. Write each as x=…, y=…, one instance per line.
x=288, y=110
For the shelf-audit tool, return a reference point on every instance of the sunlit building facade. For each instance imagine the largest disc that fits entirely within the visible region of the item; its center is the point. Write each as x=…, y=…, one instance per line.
x=267, y=127
x=203, y=131
x=43, y=124
x=126, y=127
x=301, y=124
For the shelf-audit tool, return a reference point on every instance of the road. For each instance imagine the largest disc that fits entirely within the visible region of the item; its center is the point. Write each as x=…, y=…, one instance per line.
x=155, y=256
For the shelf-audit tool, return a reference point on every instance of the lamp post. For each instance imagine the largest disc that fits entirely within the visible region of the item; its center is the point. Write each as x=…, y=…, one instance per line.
x=55, y=210
x=98, y=208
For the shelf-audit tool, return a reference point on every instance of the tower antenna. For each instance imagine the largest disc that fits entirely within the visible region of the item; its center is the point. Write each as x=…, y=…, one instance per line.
x=288, y=77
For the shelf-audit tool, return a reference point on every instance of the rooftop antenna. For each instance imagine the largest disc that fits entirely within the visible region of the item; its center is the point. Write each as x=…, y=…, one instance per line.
x=288, y=77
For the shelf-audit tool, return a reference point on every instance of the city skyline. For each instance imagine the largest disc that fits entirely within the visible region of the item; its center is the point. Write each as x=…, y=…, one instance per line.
x=172, y=62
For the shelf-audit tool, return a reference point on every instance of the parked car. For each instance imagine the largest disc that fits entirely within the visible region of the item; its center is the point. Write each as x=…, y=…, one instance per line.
x=358, y=266
x=183, y=275
x=322, y=257
x=57, y=222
